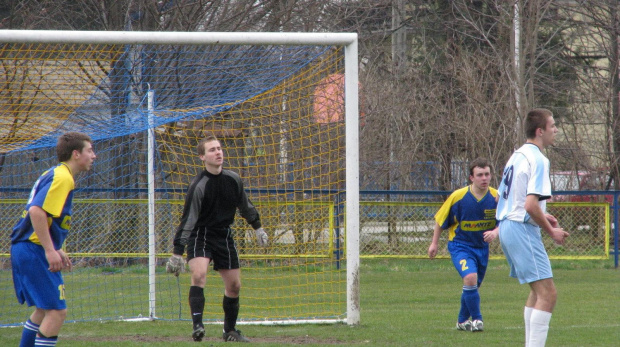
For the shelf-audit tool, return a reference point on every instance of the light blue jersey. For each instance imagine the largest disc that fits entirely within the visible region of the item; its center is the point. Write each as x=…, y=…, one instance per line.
x=527, y=172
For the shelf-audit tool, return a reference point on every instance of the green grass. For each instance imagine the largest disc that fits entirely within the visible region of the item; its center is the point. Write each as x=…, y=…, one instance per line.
x=408, y=303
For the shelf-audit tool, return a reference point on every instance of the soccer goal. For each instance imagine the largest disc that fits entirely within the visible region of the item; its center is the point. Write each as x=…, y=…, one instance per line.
x=284, y=106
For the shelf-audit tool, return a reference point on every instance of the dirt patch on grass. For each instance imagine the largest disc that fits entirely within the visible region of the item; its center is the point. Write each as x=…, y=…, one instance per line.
x=292, y=340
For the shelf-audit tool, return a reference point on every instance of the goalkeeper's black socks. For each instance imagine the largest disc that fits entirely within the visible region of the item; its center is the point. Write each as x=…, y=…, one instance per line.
x=196, y=304
x=231, y=311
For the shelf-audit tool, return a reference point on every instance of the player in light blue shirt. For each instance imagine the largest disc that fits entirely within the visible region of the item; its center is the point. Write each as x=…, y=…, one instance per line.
x=521, y=212
x=37, y=239
x=469, y=216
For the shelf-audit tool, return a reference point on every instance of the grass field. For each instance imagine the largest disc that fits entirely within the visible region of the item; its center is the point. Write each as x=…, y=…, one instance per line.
x=408, y=303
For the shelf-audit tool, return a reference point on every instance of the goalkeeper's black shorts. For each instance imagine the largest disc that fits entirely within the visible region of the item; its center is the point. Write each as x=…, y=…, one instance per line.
x=218, y=246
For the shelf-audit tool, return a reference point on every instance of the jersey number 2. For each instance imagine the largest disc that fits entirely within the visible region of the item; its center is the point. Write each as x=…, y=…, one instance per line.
x=463, y=263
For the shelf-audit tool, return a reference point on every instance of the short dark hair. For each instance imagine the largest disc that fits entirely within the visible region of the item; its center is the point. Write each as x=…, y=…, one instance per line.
x=201, y=144
x=481, y=163
x=536, y=118
x=69, y=142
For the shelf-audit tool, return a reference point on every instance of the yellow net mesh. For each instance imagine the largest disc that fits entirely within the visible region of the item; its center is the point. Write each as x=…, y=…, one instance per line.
x=279, y=114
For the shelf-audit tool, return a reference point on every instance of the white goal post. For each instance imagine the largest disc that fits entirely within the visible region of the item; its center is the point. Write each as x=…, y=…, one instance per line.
x=347, y=40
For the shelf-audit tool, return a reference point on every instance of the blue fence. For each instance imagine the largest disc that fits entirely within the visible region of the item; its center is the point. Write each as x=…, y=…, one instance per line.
x=610, y=196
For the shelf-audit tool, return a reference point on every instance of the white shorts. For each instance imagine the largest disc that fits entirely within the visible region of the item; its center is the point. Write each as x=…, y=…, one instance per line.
x=523, y=247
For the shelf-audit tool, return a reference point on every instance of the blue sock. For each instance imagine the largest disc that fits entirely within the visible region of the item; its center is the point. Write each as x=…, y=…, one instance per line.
x=45, y=341
x=472, y=300
x=29, y=334
x=464, y=312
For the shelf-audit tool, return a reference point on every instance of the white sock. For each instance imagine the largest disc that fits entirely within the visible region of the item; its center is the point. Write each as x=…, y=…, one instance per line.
x=539, y=326
x=527, y=315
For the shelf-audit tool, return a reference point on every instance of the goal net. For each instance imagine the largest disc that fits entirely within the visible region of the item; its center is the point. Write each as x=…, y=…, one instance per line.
x=287, y=124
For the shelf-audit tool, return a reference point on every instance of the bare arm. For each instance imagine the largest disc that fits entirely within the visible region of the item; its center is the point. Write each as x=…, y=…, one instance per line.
x=490, y=235
x=66, y=261
x=432, y=249
x=38, y=217
x=536, y=213
x=552, y=220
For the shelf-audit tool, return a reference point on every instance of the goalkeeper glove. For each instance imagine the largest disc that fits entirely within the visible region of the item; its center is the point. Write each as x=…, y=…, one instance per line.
x=261, y=237
x=175, y=265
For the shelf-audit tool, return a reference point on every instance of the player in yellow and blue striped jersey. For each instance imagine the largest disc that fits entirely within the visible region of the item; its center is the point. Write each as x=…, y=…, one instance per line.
x=38, y=237
x=469, y=216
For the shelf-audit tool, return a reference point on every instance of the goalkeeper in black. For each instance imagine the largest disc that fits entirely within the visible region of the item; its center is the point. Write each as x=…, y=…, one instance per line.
x=211, y=203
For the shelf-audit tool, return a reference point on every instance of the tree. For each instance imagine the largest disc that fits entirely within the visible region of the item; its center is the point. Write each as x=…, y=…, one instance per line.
x=443, y=81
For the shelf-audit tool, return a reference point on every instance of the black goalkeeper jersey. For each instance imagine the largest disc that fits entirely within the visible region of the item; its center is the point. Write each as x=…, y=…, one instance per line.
x=212, y=202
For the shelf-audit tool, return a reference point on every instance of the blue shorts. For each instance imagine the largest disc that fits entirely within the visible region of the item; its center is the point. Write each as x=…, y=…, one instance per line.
x=34, y=283
x=468, y=259
x=524, y=249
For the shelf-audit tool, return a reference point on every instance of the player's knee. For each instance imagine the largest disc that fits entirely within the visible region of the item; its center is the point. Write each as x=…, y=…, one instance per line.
x=546, y=292
x=57, y=315
x=551, y=294
x=199, y=277
x=199, y=281
x=234, y=288
x=470, y=279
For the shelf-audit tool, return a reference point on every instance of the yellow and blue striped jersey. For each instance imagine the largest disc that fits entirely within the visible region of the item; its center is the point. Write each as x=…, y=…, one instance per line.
x=53, y=192
x=466, y=217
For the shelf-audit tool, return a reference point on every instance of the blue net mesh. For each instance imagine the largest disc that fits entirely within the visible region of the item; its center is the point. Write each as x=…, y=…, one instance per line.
x=189, y=83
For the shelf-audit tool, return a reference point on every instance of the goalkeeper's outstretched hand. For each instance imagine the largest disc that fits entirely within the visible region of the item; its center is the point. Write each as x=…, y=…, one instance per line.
x=175, y=265
x=261, y=237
